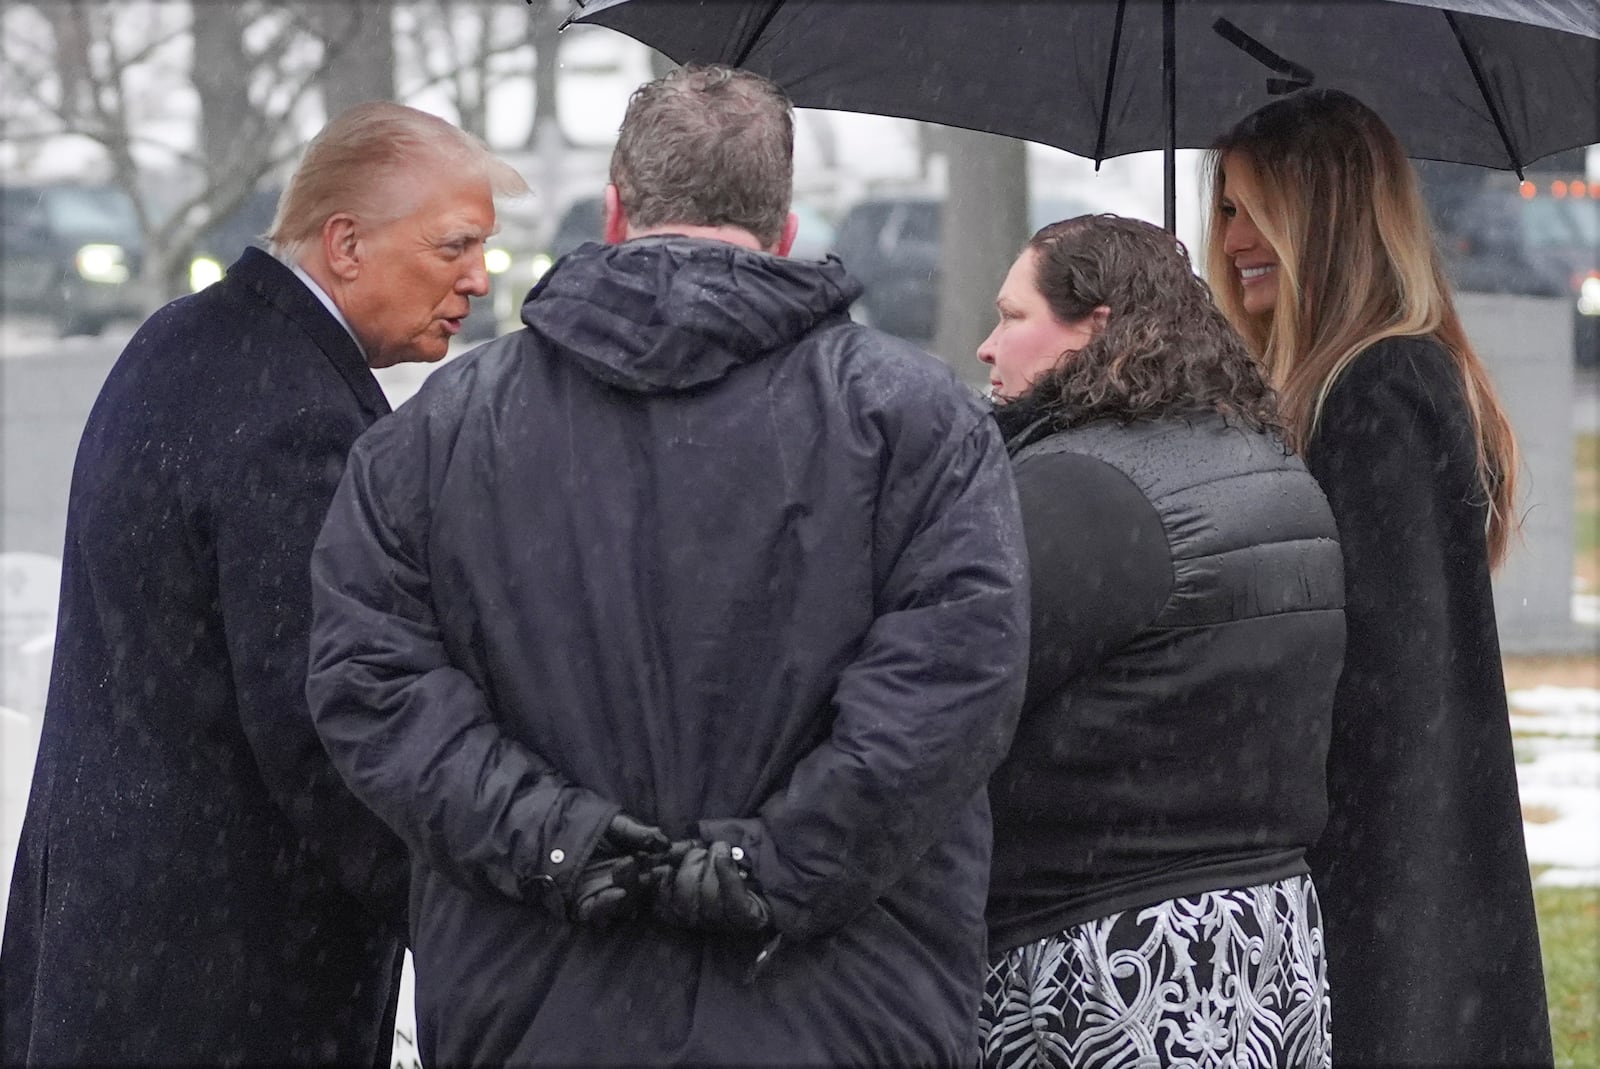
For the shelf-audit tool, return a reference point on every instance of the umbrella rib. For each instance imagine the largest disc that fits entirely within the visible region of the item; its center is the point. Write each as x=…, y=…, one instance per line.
x=1169, y=87
x=1111, y=81
x=761, y=28
x=1296, y=76
x=1483, y=89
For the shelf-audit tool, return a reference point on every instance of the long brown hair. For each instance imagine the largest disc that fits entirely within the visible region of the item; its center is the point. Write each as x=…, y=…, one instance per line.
x=1165, y=348
x=1338, y=202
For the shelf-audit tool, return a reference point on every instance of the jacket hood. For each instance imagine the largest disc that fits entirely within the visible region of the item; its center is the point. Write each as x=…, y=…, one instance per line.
x=660, y=314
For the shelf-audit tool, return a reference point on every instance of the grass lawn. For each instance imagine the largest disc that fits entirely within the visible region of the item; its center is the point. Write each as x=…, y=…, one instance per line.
x=1569, y=917
x=1569, y=931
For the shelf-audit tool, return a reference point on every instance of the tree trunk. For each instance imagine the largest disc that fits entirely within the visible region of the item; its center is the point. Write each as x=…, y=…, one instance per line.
x=361, y=32
x=544, y=21
x=69, y=27
x=227, y=118
x=984, y=225
x=929, y=144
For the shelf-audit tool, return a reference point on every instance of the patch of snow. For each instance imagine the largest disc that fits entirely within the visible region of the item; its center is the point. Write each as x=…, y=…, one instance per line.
x=1586, y=608
x=1563, y=710
x=405, y=1054
x=1559, y=773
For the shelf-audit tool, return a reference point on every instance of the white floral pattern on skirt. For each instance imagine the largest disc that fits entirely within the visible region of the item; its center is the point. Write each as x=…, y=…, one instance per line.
x=1233, y=979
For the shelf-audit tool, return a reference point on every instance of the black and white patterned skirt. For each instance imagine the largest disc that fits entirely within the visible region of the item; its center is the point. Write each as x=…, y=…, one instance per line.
x=1230, y=979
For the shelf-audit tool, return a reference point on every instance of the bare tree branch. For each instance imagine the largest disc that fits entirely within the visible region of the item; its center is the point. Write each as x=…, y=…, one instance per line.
x=103, y=72
x=465, y=63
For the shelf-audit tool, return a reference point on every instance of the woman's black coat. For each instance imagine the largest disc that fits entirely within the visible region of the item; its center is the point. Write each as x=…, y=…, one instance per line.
x=1433, y=950
x=177, y=897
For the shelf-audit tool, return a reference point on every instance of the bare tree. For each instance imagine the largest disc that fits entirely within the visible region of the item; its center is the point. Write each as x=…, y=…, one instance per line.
x=71, y=52
x=544, y=25
x=228, y=118
x=237, y=74
x=471, y=48
x=358, y=38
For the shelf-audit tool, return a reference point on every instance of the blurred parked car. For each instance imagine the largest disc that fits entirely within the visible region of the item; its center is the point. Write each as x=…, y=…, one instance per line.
x=1561, y=231
x=220, y=244
x=1538, y=238
x=514, y=259
x=893, y=245
x=584, y=220
x=71, y=253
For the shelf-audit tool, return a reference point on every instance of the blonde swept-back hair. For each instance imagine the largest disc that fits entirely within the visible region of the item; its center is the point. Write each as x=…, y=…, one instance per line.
x=355, y=163
x=1338, y=202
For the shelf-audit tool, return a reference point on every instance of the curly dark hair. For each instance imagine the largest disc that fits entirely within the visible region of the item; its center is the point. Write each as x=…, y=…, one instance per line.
x=1165, y=348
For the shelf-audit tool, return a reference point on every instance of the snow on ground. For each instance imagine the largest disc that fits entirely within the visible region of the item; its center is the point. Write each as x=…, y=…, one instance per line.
x=1562, y=711
x=405, y=1022
x=1558, y=741
x=1586, y=608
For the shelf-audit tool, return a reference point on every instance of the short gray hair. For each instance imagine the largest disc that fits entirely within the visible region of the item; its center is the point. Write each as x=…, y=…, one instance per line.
x=353, y=164
x=707, y=146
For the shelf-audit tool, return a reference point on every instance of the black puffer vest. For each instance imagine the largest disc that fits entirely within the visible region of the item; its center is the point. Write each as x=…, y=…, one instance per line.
x=1190, y=758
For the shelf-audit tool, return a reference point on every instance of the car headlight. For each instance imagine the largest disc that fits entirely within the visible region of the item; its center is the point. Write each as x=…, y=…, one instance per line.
x=203, y=271
x=496, y=261
x=102, y=263
x=1589, y=296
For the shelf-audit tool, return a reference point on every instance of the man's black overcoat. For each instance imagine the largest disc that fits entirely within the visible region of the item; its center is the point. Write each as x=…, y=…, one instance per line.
x=177, y=896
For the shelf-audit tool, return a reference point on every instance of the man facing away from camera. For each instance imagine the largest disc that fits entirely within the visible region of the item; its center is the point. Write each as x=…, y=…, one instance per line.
x=677, y=635
x=195, y=884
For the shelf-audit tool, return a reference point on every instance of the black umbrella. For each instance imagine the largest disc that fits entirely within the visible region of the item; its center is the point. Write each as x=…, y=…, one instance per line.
x=1497, y=83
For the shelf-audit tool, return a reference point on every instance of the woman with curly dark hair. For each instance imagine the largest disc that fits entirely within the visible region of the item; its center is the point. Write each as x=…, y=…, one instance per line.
x=1149, y=902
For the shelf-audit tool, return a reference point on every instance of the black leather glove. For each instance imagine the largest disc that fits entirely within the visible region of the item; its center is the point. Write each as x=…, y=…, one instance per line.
x=703, y=888
x=625, y=835
x=617, y=880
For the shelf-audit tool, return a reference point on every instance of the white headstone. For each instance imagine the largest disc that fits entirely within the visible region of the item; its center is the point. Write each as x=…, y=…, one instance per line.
x=30, y=587
x=19, y=741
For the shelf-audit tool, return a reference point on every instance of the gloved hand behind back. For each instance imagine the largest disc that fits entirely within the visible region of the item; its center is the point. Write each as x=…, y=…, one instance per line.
x=618, y=880
x=701, y=887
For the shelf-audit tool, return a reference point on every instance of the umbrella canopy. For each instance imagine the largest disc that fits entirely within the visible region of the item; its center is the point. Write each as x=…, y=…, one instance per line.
x=1497, y=83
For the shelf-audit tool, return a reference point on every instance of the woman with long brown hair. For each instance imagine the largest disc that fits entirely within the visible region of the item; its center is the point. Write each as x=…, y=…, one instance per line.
x=1320, y=252
x=1149, y=902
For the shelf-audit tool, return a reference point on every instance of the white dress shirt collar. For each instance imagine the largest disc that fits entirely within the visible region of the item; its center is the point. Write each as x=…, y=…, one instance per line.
x=327, y=302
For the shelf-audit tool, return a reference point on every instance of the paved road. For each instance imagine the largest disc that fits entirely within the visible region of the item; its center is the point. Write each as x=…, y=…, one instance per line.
x=22, y=338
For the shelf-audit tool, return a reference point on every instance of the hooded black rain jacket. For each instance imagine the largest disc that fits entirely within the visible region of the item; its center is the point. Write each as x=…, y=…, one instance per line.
x=695, y=545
